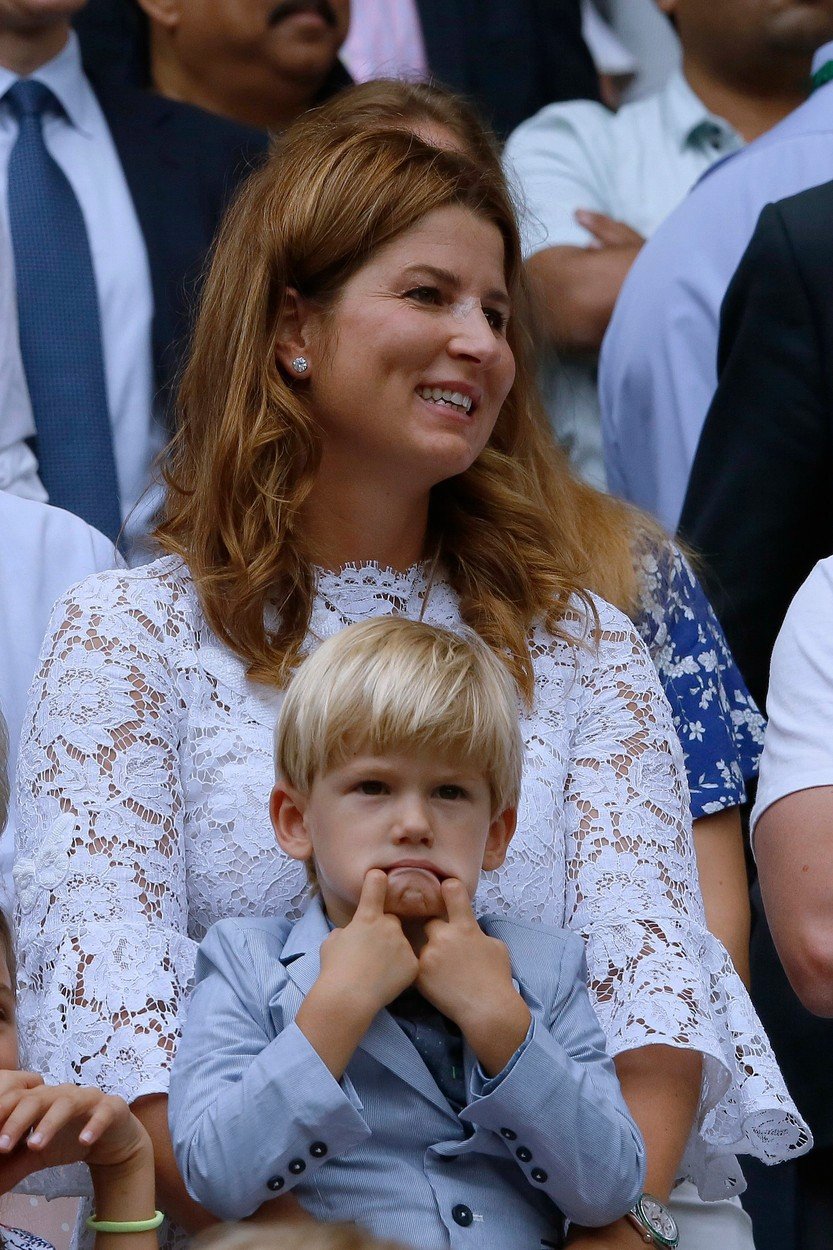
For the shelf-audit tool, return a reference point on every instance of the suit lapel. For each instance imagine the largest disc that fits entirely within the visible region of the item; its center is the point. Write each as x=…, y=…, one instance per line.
x=384, y=1041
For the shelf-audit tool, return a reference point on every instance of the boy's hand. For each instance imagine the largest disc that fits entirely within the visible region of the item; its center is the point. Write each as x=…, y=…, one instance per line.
x=48, y=1125
x=363, y=968
x=370, y=955
x=468, y=977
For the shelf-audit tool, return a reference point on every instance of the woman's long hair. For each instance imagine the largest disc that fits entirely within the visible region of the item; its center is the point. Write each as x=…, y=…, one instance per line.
x=245, y=458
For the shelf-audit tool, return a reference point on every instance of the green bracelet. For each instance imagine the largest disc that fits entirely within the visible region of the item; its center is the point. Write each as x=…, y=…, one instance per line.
x=124, y=1226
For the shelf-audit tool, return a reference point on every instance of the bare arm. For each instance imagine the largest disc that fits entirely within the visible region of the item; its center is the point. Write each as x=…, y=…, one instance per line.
x=795, y=869
x=718, y=841
x=661, y=1085
x=577, y=287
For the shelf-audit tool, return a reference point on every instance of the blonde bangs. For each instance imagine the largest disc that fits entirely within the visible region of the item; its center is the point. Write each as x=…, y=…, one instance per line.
x=393, y=685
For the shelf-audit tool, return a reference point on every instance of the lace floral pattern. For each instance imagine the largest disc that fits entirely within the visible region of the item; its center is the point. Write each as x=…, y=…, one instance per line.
x=144, y=779
x=719, y=726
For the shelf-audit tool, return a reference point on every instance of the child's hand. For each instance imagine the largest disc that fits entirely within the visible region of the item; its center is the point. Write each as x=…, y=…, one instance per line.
x=370, y=955
x=468, y=977
x=48, y=1125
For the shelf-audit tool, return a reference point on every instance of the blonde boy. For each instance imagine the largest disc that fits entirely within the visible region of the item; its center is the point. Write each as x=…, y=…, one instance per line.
x=439, y=1079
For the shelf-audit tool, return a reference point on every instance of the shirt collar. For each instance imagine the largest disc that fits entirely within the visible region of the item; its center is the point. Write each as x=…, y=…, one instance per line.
x=65, y=77
x=687, y=118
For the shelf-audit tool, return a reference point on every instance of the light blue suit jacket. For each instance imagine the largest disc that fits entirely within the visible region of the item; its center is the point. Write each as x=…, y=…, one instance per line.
x=254, y=1112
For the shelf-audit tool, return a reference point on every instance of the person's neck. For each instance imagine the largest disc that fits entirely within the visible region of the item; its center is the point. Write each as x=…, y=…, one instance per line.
x=25, y=51
x=272, y=110
x=352, y=520
x=755, y=104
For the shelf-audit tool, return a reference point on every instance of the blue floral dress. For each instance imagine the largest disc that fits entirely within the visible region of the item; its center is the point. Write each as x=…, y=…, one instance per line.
x=717, y=721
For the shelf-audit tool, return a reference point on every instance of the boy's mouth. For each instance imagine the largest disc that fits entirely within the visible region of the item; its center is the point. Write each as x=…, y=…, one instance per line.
x=414, y=865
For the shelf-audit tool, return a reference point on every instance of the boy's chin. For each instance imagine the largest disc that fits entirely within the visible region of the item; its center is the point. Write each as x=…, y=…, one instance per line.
x=414, y=895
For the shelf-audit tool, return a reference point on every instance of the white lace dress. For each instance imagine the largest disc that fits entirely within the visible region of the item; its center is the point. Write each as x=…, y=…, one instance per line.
x=144, y=779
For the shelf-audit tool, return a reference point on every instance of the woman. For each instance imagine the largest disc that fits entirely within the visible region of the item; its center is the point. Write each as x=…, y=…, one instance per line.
x=359, y=435
x=629, y=560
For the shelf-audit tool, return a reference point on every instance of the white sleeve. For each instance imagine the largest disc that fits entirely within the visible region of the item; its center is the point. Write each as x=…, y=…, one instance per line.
x=105, y=960
x=559, y=161
x=798, y=746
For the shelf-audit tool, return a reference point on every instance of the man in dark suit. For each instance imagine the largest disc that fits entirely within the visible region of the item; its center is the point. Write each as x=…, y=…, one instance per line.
x=759, y=508
x=113, y=198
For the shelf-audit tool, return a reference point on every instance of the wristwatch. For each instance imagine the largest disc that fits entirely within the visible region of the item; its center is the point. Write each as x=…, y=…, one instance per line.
x=654, y=1222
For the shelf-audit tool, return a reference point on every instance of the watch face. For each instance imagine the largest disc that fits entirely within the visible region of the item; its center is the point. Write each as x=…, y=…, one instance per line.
x=659, y=1220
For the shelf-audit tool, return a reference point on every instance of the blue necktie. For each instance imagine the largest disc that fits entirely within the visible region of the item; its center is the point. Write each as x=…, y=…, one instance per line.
x=60, y=325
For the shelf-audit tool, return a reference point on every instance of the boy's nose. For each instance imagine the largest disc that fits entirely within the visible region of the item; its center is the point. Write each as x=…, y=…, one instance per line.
x=413, y=825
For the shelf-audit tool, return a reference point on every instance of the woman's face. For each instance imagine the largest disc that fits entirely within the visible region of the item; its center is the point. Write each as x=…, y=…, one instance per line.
x=410, y=368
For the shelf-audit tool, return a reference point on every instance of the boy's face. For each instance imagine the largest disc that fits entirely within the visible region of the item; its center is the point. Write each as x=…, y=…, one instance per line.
x=417, y=817
x=8, y=1020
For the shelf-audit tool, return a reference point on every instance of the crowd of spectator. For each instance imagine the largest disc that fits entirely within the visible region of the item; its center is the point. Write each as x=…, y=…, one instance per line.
x=415, y=477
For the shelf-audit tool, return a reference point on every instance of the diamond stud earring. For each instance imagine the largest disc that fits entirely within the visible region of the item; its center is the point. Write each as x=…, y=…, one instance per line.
x=300, y=364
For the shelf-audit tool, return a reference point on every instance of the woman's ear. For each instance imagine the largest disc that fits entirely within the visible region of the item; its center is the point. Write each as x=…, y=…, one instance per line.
x=292, y=341
x=287, y=808
x=500, y=835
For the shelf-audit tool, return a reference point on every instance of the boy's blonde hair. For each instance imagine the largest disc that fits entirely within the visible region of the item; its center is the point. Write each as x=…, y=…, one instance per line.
x=391, y=684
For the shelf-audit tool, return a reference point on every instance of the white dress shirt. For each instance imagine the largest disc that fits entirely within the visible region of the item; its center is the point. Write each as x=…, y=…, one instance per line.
x=80, y=142
x=635, y=166
x=17, y=464
x=43, y=551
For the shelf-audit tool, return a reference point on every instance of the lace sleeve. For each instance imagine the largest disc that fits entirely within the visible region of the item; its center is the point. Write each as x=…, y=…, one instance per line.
x=656, y=974
x=105, y=961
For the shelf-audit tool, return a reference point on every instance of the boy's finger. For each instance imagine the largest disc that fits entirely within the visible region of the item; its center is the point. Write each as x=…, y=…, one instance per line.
x=457, y=901
x=374, y=892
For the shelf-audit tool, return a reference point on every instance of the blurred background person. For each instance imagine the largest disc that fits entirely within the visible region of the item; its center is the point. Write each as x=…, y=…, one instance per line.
x=594, y=184
x=259, y=62
x=793, y=822
x=657, y=371
x=760, y=509
x=110, y=199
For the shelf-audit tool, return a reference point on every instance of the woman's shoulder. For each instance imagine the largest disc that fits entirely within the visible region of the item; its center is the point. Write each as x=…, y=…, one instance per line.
x=19, y=1239
x=160, y=589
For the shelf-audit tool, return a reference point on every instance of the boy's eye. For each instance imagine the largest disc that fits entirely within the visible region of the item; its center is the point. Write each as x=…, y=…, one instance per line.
x=451, y=792
x=372, y=787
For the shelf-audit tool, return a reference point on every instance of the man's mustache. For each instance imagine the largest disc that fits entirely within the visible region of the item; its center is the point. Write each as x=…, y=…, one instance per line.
x=288, y=8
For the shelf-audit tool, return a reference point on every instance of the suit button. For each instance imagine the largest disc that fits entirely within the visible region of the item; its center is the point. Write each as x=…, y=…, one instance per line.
x=318, y=1149
x=297, y=1166
x=275, y=1183
x=508, y=1134
x=462, y=1215
x=523, y=1153
x=539, y=1175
